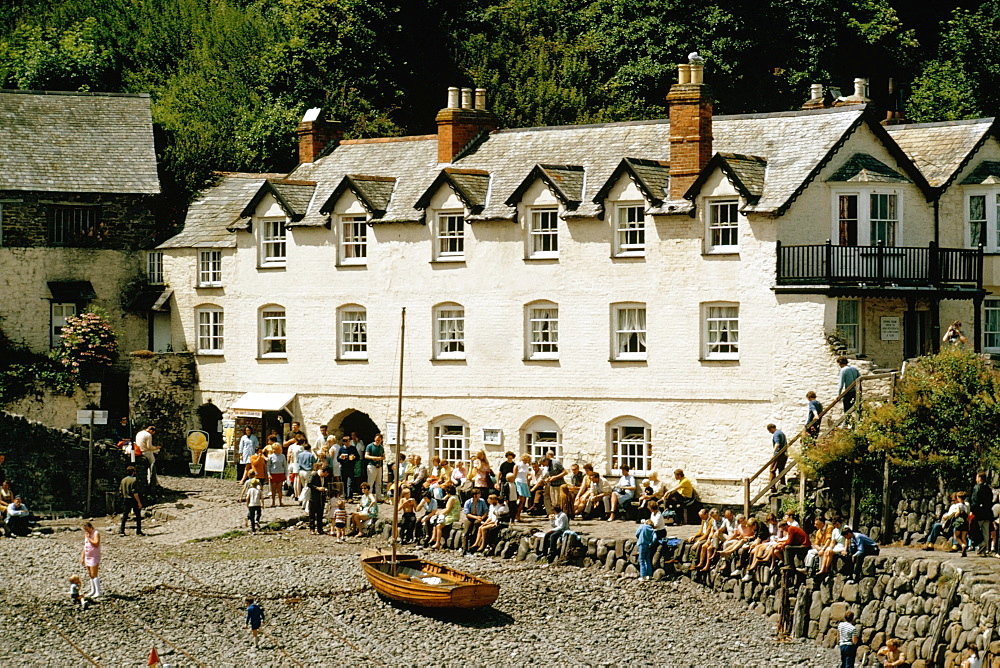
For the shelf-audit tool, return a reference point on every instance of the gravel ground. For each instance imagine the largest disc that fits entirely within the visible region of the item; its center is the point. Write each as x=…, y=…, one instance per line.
x=186, y=598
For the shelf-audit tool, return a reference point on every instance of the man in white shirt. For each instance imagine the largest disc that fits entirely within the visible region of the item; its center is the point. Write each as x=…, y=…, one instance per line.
x=624, y=491
x=560, y=525
x=248, y=446
x=144, y=439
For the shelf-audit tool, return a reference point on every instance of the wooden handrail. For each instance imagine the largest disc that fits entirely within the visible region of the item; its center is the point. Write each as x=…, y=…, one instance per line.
x=856, y=385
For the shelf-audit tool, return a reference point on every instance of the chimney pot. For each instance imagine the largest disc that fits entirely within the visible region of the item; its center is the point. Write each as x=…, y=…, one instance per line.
x=481, y=99
x=466, y=98
x=684, y=73
x=453, y=98
x=861, y=87
x=816, y=92
x=697, y=73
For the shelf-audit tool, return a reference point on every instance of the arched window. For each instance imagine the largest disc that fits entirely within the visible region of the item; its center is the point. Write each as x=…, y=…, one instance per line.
x=541, y=330
x=541, y=434
x=352, y=332
x=629, y=440
x=450, y=438
x=211, y=329
x=273, y=340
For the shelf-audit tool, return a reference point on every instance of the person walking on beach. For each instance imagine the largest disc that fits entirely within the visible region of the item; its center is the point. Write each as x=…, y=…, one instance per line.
x=254, y=619
x=90, y=557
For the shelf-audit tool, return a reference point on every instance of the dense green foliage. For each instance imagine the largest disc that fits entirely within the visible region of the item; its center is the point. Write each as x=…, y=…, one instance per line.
x=230, y=78
x=945, y=418
x=23, y=372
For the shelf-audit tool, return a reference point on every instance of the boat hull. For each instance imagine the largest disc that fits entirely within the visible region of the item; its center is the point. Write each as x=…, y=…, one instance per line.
x=456, y=589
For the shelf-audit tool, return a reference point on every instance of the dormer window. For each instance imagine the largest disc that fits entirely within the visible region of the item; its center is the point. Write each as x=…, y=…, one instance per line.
x=272, y=242
x=723, y=226
x=449, y=235
x=543, y=233
x=630, y=232
x=353, y=239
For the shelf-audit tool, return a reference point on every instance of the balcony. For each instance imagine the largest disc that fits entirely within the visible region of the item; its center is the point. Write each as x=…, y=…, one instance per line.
x=880, y=267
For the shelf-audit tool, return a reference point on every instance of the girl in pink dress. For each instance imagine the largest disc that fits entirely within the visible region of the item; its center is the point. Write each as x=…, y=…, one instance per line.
x=91, y=557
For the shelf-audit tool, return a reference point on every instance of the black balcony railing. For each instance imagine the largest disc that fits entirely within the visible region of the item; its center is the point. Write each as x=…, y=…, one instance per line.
x=927, y=266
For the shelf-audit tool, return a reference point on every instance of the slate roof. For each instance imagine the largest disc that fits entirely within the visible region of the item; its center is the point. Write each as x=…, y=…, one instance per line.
x=651, y=176
x=775, y=156
x=374, y=192
x=940, y=150
x=210, y=215
x=564, y=181
x=471, y=186
x=745, y=172
x=77, y=142
x=862, y=167
x=293, y=197
x=987, y=171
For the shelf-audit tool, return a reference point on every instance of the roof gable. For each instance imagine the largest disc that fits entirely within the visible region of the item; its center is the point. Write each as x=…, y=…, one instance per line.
x=471, y=186
x=292, y=196
x=986, y=173
x=745, y=173
x=374, y=193
x=864, y=168
x=565, y=182
x=942, y=150
x=651, y=177
x=77, y=142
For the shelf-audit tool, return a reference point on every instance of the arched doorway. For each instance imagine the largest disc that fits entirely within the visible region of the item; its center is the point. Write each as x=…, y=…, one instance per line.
x=211, y=421
x=359, y=422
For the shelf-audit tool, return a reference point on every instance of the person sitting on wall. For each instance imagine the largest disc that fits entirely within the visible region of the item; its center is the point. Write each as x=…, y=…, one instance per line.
x=682, y=496
x=17, y=518
x=600, y=493
x=623, y=492
x=861, y=546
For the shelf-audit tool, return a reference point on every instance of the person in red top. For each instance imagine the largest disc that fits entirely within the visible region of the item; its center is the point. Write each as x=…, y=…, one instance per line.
x=793, y=537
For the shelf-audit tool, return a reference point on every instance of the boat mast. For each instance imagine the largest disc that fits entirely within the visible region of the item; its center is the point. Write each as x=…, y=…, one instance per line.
x=399, y=433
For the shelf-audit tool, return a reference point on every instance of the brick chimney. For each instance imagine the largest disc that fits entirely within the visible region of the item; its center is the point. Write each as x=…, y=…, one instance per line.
x=690, y=126
x=461, y=121
x=316, y=133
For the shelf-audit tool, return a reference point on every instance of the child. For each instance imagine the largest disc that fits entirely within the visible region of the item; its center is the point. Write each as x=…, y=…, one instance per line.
x=254, y=504
x=340, y=520
x=255, y=617
x=645, y=540
x=74, y=592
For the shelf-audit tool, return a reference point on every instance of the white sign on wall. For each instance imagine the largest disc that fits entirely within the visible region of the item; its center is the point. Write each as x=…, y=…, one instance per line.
x=492, y=436
x=91, y=417
x=890, y=328
x=390, y=434
x=247, y=413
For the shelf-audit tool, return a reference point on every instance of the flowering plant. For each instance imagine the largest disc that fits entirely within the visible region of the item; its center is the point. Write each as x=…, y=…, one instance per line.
x=87, y=341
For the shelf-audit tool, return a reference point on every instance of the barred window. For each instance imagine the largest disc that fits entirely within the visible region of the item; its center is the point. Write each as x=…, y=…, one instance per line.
x=73, y=224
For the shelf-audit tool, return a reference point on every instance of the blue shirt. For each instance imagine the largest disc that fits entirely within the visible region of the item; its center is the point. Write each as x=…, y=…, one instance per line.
x=848, y=374
x=305, y=460
x=862, y=545
x=645, y=535
x=255, y=615
x=480, y=508
x=815, y=408
x=779, y=439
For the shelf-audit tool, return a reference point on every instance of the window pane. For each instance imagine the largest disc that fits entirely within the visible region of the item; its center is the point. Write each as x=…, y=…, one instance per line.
x=631, y=229
x=991, y=324
x=450, y=442
x=544, y=232
x=849, y=322
x=274, y=332
x=354, y=237
x=154, y=267
x=723, y=327
x=630, y=331
x=451, y=235
x=544, y=329
x=354, y=333
x=451, y=333
x=724, y=224
x=273, y=240
x=210, y=331
x=630, y=445
x=883, y=219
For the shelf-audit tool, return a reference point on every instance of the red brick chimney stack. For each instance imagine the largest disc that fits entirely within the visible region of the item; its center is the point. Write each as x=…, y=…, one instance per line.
x=461, y=121
x=690, y=105
x=316, y=133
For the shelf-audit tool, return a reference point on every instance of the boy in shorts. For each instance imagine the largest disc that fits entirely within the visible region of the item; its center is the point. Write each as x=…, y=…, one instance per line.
x=340, y=520
x=255, y=617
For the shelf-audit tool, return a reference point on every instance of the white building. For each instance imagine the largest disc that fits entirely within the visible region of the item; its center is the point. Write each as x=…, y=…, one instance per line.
x=653, y=292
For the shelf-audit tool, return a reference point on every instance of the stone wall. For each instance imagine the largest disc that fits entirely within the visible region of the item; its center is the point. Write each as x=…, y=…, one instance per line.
x=56, y=410
x=161, y=392
x=929, y=603
x=124, y=222
x=48, y=467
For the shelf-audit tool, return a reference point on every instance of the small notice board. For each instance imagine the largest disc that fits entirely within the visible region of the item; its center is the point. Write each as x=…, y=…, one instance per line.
x=215, y=460
x=890, y=328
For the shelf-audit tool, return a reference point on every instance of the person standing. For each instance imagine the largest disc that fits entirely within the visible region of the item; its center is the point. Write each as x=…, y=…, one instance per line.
x=374, y=456
x=277, y=471
x=317, y=498
x=254, y=505
x=293, y=435
x=780, y=457
x=815, y=409
x=982, y=509
x=248, y=446
x=130, y=497
x=254, y=619
x=90, y=557
x=349, y=457
x=555, y=479
x=848, y=374
x=954, y=335
x=144, y=441
x=849, y=638
x=645, y=539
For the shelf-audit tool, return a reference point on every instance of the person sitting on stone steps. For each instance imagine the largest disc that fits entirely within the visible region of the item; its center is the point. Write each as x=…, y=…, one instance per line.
x=954, y=520
x=715, y=528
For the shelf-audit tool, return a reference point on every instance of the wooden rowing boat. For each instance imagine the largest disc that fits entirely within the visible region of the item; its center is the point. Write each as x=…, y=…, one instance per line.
x=412, y=580
x=427, y=584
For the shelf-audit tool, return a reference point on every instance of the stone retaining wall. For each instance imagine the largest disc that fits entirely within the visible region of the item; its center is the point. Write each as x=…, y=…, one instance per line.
x=928, y=602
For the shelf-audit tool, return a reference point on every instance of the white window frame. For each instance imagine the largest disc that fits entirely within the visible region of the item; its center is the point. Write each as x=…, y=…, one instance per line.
x=630, y=235
x=449, y=236
x=450, y=439
x=154, y=267
x=991, y=326
x=449, y=332
x=717, y=326
x=622, y=332
x=273, y=329
x=210, y=269
x=352, y=329
x=850, y=329
x=59, y=311
x=542, y=331
x=543, y=233
x=540, y=435
x=210, y=335
x=865, y=221
x=630, y=439
x=273, y=242
x=716, y=229
x=353, y=243
x=991, y=218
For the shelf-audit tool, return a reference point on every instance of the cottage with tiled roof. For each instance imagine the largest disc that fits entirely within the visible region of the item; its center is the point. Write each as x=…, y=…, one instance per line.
x=651, y=292
x=78, y=181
